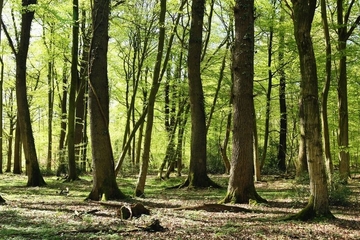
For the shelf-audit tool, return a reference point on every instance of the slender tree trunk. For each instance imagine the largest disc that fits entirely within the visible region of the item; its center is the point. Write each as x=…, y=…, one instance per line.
x=318, y=202
x=62, y=165
x=282, y=99
x=8, y=168
x=1, y=99
x=17, y=150
x=241, y=186
x=10, y=143
x=73, y=175
x=325, y=93
x=140, y=186
x=50, y=114
x=104, y=178
x=268, y=101
x=33, y=170
x=223, y=146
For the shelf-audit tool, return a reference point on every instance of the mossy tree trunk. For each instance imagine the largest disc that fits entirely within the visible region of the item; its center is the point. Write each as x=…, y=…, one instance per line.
x=318, y=205
x=104, y=179
x=241, y=186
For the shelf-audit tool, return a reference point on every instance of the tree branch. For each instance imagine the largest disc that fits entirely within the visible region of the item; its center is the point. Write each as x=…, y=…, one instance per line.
x=11, y=44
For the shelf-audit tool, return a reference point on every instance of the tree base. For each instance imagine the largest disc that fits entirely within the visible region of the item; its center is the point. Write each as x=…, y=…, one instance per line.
x=190, y=183
x=250, y=197
x=309, y=213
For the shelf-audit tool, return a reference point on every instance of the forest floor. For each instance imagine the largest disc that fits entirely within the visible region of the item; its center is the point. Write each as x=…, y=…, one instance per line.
x=49, y=213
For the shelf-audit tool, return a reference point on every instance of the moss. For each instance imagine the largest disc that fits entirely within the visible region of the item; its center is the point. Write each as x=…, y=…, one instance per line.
x=309, y=213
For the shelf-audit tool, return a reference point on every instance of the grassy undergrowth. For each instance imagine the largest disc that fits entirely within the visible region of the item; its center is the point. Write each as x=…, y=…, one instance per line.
x=47, y=213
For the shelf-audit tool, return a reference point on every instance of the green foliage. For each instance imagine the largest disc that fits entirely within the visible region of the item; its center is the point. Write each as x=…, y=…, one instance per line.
x=339, y=192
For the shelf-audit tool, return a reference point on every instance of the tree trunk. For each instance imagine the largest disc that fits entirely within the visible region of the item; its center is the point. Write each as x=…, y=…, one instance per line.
x=62, y=165
x=343, y=21
x=319, y=203
x=268, y=101
x=17, y=150
x=223, y=146
x=10, y=142
x=73, y=175
x=325, y=93
x=140, y=186
x=301, y=165
x=33, y=171
x=282, y=98
x=197, y=176
x=104, y=179
x=241, y=186
x=50, y=113
x=8, y=167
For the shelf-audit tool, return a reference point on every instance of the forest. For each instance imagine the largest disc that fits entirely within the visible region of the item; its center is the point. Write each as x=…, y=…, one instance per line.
x=179, y=119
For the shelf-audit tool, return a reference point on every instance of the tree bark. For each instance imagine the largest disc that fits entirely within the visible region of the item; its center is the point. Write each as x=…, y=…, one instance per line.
x=197, y=176
x=241, y=186
x=104, y=179
x=325, y=93
x=61, y=169
x=303, y=11
x=72, y=176
x=282, y=99
x=343, y=128
x=17, y=150
x=33, y=170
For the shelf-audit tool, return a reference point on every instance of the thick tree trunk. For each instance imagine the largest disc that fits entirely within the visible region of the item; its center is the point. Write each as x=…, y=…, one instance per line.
x=241, y=186
x=33, y=170
x=319, y=202
x=104, y=179
x=197, y=176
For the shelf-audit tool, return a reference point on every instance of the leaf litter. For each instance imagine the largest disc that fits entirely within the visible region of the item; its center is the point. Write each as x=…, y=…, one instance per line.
x=31, y=213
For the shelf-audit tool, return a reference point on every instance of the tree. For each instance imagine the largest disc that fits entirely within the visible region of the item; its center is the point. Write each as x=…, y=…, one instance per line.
x=318, y=205
x=281, y=156
x=325, y=94
x=72, y=98
x=33, y=170
x=140, y=186
x=104, y=182
x=241, y=186
x=197, y=176
x=343, y=22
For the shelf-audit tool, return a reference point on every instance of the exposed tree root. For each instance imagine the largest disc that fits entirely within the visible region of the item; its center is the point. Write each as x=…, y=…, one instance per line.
x=309, y=213
x=215, y=208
